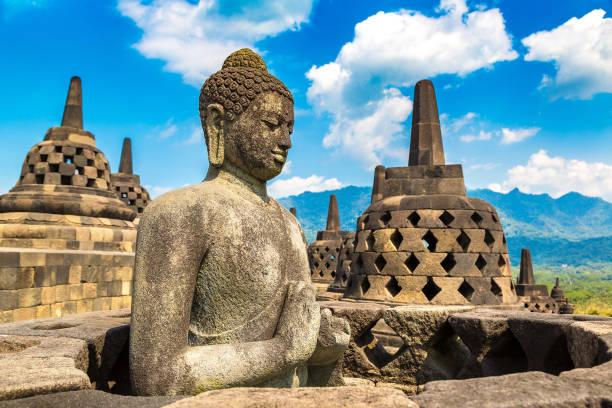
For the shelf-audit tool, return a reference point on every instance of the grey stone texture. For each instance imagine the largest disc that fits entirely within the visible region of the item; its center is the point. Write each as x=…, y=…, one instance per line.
x=413, y=345
x=89, y=399
x=66, y=240
x=533, y=390
x=343, y=269
x=104, y=334
x=422, y=240
x=426, y=138
x=126, y=184
x=31, y=365
x=325, y=252
x=222, y=294
x=535, y=297
x=329, y=397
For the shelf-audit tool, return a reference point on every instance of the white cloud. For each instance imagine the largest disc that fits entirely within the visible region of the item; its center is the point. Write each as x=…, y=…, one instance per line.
x=297, y=185
x=167, y=132
x=194, y=39
x=469, y=129
x=581, y=49
x=482, y=135
x=156, y=191
x=393, y=50
x=287, y=168
x=196, y=136
x=557, y=176
x=510, y=136
x=369, y=137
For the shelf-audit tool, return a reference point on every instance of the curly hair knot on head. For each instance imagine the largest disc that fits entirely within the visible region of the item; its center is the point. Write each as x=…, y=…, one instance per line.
x=244, y=75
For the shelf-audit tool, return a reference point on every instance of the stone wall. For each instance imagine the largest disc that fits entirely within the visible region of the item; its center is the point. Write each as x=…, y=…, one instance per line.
x=505, y=359
x=41, y=283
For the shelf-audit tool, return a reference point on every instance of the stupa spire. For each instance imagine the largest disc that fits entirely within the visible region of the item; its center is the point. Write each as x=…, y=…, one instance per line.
x=426, y=138
x=526, y=273
x=333, y=218
x=379, y=181
x=125, y=165
x=73, y=110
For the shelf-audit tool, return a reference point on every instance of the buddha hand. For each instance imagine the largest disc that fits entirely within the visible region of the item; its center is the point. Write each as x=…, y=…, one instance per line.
x=299, y=322
x=333, y=339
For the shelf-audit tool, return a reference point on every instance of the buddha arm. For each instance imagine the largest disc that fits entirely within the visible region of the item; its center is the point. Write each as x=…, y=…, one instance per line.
x=170, y=248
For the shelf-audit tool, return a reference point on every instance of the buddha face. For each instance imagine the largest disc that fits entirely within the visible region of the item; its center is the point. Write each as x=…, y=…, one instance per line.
x=258, y=140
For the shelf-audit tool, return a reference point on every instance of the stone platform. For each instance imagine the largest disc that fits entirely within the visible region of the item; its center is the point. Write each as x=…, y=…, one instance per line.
x=439, y=356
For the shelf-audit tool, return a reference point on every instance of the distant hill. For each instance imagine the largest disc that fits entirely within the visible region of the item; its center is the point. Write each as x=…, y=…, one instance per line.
x=566, y=230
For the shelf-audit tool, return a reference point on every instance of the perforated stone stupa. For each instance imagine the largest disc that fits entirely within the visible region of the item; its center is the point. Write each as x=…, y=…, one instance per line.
x=535, y=296
x=66, y=240
x=126, y=184
x=422, y=240
x=323, y=253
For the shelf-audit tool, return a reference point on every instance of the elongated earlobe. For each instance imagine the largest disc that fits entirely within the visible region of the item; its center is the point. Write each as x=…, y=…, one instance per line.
x=214, y=131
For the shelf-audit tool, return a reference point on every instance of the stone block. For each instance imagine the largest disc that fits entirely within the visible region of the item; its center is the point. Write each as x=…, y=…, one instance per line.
x=42, y=365
x=74, y=274
x=47, y=295
x=412, y=239
x=9, y=299
x=126, y=288
x=411, y=291
x=115, y=288
x=430, y=264
x=52, y=178
x=9, y=258
x=41, y=168
x=32, y=258
x=99, y=183
x=477, y=240
x=43, y=311
x=90, y=290
x=76, y=291
x=90, y=172
x=26, y=313
x=62, y=293
x=67, y=169
x=430, y=219
x=44, y=275
x=8, y=278
x=447, y=240
x=6, y=316
x=532, y=389
x=79, y=180
x=29, y=297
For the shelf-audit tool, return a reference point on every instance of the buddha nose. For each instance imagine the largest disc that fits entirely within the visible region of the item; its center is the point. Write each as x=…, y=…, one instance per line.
x=285, y=139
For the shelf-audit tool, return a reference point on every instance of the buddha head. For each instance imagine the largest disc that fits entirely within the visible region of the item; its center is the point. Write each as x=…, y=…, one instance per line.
x=247, y=117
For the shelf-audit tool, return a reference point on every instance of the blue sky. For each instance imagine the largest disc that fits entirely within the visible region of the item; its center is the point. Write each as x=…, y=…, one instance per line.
x=524, y=88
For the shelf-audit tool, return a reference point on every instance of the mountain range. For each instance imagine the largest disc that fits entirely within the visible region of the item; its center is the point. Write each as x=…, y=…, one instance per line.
x=572, y=229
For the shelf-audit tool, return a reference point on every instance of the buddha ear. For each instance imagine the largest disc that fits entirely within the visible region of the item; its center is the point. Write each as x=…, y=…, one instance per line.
x=214, y=130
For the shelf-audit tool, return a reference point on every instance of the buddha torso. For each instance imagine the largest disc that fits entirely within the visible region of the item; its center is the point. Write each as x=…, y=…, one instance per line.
x=254, y=248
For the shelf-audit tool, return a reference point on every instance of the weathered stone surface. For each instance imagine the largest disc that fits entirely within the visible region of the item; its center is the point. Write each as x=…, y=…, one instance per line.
x=329, y=397
x=533, y=390
x=89, y=399
x=38, y=365
x=105, y=333
x=221, y=266
x=420, y=223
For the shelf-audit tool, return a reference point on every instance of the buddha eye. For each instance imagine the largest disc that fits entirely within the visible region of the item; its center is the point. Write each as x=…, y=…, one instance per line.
x=271, y=124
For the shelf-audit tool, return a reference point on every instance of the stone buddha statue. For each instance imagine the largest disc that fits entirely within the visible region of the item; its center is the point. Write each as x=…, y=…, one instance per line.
x=222, y=293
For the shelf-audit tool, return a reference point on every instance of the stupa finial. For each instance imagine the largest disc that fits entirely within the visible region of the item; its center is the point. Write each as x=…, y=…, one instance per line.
x=377, y=186
x=426, y=138
x=73, y=110
x=526, y=273
x=333, y=218
x=125, y=165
